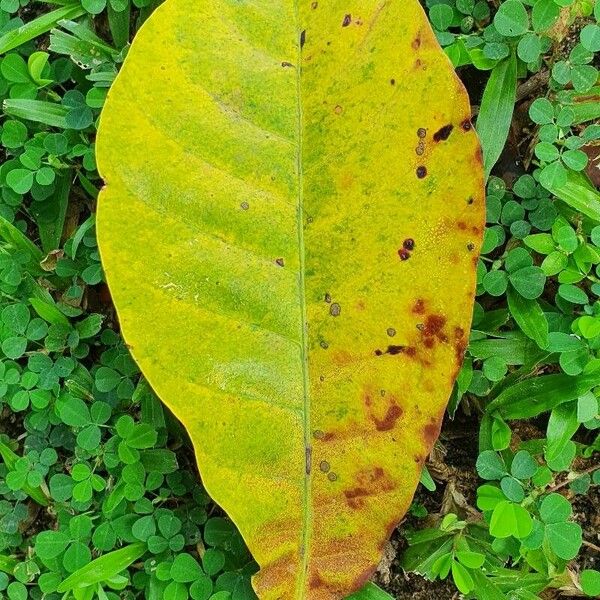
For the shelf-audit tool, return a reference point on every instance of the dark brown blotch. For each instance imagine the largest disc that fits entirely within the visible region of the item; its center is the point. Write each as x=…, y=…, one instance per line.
x=335, y=310
x=467, y=125
x=347, y=20
x=443, y=134
x=303, y=38
x=421, y=172
x=404, y=254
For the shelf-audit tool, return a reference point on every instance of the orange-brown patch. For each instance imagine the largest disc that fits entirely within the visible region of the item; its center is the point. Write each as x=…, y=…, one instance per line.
x=431, y=431
x=419, y=307
x=394, y=412
x=416, y=44
x=461, y=225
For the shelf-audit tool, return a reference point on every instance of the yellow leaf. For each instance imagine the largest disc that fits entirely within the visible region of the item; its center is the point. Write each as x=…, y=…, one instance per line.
x=290, y=226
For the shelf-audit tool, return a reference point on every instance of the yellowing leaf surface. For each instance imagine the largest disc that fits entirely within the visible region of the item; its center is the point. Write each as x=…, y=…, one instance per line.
x=290, y=226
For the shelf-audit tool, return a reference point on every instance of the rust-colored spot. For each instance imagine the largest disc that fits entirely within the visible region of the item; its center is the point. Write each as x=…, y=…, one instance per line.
x=347, y=20
x=467, y=125
x=443, y=133
x=338, y=110
x=429, y=342
x=421, y=172
x=434, y=325
x=280, y=262
x=476, y=230
x=431, y=431
x=419, y=307
x=409, y=244
x=471, y=247
x=416, y=43
x=461, y=225
x=410, y=351
x=404, y=254
x=316, y=581
x=354, y=497
x=394, y=412
x=418, y=459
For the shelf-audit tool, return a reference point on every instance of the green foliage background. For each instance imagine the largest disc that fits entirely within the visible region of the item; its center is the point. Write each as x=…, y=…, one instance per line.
x=98, y=497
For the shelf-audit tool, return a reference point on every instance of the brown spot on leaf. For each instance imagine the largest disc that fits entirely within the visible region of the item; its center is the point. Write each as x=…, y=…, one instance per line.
x=394, y=412
x=244, y=206
x=431, y=431
x=467, y=125
x=461, y=225
x=338, y=110
x=404, y=254
x=409, y=244
x=421, y=132
x=347, y=20
x=421, y=172
x=335, y=310
x=416, y=43
x=391, y=331
x=280, y=262
x=286, y=64
x=419, y=307
x=443, y=133
x=314, y=5
x=324, y=466
x=354, y=497
x=392, y=81
x=332, y=476
x=303, y=38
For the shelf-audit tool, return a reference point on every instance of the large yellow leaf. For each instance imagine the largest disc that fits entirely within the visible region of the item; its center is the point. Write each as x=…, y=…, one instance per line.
x=290, y=226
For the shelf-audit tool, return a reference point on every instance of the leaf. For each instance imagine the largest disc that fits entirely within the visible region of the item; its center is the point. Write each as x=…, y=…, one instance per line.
x=532, y=397
x=102, y=568
x=497, y=105
x=42, y=24
x=292, y=256
x=579, y=194
x=529, y=316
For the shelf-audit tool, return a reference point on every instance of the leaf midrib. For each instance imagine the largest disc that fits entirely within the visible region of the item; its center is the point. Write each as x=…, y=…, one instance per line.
x=306, y=503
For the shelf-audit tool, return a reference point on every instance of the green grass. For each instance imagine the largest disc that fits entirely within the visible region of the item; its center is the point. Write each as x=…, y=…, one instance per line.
x=98, y=494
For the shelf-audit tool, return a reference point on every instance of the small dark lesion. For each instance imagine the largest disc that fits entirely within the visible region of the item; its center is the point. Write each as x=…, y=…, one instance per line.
x=347, y=20
x=308, y=457
x=303, y=38
x=421, y=172
x=443, y=134
x=286, y=64
x=392, y=350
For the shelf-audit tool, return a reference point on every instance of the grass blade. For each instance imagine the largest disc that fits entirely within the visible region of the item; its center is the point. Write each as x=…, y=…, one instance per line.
x=496, y=111
x=43, y=24
x=532, y=397
x=49, y=113
x=103, y=568
x=580, y=195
